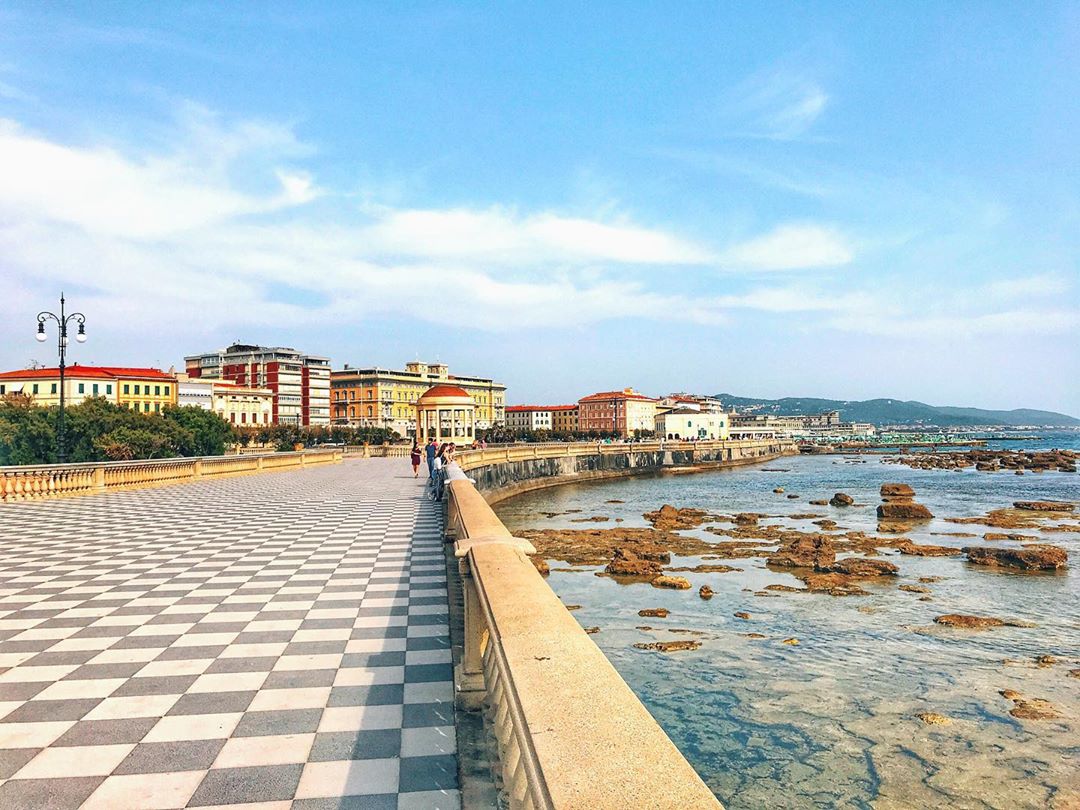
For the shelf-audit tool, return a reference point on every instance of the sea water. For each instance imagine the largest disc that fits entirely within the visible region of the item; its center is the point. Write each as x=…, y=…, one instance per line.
x=832, y=722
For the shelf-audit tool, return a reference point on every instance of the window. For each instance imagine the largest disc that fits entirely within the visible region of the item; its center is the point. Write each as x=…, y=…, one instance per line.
x=108, y=388
x=127, y=389
x=94, y=388
x=157, y=407
x=157, y=390
x=2, y=391
x=369, y=411
x=146, y=407
x=53, y=388
x=243, y=417
x=166, y=390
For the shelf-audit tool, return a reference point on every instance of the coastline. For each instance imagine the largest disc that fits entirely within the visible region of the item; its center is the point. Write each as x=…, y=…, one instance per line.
x=715, y=687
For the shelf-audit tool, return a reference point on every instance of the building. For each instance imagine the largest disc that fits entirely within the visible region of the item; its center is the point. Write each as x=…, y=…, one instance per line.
x=528, y=417
x=691, y=423
x=624, y=412
x=378, y=397
x=446, y=413
x=147, y=390
x=237, y=404
x=801, y=427
x=300, y=383
x=564, y=418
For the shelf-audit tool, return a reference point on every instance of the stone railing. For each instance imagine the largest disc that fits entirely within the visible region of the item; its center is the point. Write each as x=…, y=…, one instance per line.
x=570, y=732
x=509, y=470
x=56, y=480
x=379, y=450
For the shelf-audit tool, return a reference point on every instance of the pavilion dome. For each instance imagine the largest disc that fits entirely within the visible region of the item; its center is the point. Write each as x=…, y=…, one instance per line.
x=447, y=394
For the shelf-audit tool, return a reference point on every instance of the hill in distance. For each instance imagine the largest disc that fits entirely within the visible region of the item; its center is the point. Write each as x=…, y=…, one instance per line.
x=899, y=412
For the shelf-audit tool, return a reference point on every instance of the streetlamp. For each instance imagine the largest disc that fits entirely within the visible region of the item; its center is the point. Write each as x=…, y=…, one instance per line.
x=62, y=321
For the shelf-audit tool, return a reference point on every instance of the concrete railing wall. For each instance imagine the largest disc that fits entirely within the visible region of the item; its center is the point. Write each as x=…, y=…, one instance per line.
x=570, y=732
x=507, y=471
x=57, y=480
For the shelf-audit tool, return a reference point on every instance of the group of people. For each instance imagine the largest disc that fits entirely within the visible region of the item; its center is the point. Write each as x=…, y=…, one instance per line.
x=439, y=457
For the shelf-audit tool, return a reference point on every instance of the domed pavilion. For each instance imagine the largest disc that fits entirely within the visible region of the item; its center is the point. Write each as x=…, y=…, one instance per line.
x=446, y=413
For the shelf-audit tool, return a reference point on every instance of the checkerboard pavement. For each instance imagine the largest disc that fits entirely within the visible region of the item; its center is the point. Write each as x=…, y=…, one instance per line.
x=270, y=641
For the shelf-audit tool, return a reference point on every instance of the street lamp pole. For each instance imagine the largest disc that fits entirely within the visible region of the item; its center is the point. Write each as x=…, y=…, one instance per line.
x=62, y=321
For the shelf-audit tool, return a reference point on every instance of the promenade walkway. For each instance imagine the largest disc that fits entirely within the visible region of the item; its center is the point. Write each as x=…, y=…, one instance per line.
x=277, y=640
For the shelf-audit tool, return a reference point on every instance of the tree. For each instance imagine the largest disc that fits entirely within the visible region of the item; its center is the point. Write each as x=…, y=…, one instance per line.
x=210, y=433
x=27, y=435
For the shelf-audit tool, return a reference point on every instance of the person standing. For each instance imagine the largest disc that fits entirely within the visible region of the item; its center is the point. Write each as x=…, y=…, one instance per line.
x=414, y=457
x=430, y=451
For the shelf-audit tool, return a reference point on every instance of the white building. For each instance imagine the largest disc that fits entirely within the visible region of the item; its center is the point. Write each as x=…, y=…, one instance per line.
x=687, y=423
x=528, y=417
x=240, y=405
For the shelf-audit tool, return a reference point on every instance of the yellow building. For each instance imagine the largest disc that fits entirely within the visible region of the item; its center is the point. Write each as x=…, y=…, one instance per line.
x=376, y=397
x=144, y=389
x=564, y=418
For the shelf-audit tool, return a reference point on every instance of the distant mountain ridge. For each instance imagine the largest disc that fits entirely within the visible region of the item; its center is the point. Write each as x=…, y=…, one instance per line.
x=899, y=412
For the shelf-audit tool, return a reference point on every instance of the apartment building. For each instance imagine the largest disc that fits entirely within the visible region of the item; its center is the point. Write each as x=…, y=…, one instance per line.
x=147, y=390
x=386, y=398
x=623, y=412
x=300, y=383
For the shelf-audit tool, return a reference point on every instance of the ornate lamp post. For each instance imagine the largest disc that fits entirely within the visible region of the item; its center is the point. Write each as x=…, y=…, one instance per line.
x=62, y=321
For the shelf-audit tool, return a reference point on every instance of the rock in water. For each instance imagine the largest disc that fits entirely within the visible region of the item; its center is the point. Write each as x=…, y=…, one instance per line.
x=1030, y=708
x=1044, y=506
x=977, y=622
x=861, y=567
x=903, y=510
x=541, y=565
x=742, y=615
x=805, y=552
x=934, y=719
x=659, y=613
x=897, y=491
x=1029, y=558
x=705, y=592
x=841, y=499
x=678, y=583
x=626, y=563
x=668, y=646
x=913, y=549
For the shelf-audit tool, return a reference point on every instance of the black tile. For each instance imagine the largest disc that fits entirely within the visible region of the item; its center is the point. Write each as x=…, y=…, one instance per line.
x=53, y=794
x=59, y=659
x=379, y=632
x=428, y=619
x=90, y=672
x=21, y=690
x=428, y=773
x=373, y=744
x=422, y=715
x=191, y=653
x=164, y=685
x=143, y=642
x=260, y=663
x=415, y=643
x=264, y=637
x=379, y=659
x=286, y=721
x=107, y=732
x=11, y=759
x=164, y=757
x=265, y=783
x=315, y=647
x=43, y=711
x=381, y=694
x=428, y=673
x=212, y=703
x=299, y=678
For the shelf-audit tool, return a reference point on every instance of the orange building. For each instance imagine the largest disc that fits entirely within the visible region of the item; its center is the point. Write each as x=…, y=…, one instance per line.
x=623, y=412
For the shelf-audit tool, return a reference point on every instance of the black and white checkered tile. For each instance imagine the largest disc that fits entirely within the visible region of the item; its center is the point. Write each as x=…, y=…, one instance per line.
x=271, y=641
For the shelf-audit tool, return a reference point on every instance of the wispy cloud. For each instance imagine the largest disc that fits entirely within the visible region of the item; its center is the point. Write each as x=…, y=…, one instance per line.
x=777, y=104
x=791, y=247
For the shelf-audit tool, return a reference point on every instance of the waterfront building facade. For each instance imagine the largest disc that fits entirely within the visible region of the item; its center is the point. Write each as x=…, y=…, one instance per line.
x=147, y=390
x=300, y=383
x=528, y=417
x=691, y=423
x=240, y=405
x=378, y=397
x=564, y=418
x=624, y=412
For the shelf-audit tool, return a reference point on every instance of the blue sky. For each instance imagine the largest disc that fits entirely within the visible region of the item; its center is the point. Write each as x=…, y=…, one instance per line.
x=764, y=199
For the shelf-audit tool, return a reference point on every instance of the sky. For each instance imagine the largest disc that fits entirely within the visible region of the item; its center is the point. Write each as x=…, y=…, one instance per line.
x=765, y=199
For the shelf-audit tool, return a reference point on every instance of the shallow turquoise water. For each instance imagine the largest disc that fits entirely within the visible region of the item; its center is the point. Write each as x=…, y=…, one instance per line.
x=830, y=722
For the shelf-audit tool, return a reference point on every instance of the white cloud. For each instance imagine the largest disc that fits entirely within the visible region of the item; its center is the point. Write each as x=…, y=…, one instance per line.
x=1035, y=286
x=500, y=235
x=791, y=247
